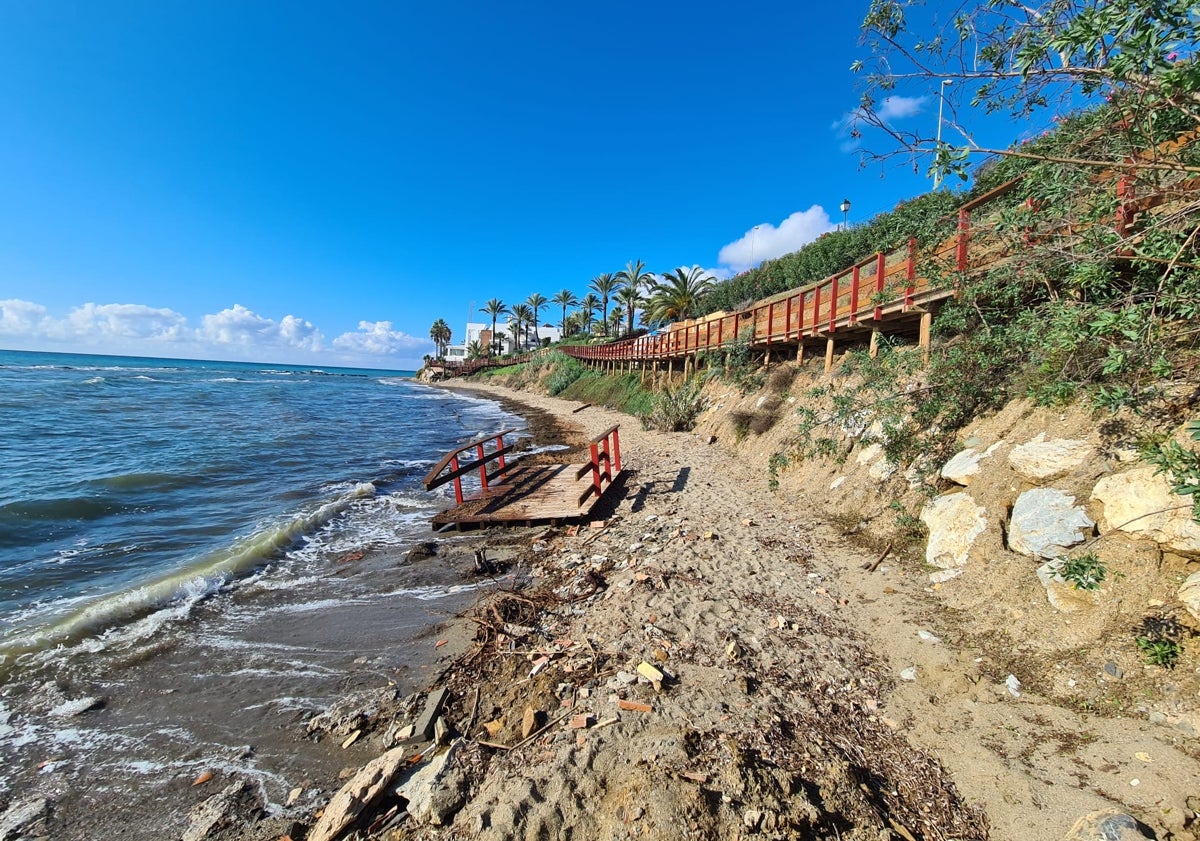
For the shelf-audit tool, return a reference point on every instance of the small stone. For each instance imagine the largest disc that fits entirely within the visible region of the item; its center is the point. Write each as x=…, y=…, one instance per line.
x=441, y=731
x=530, y=722
x=649, y=672
x=433, y=708
x=926, y=636
x=1113, y=670
x=1106, y=825
x=581, y=721
x=351, y=739
x=293, y=796
x=660, y=655
x=909, y=674
x=751, y=819
x=633, y=706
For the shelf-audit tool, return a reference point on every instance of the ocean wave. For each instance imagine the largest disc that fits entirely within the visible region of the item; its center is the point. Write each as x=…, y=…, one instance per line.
x=171, y=597
x=94, y=381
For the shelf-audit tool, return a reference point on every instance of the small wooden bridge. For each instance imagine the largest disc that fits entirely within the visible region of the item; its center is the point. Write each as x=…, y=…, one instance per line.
x=504, y=493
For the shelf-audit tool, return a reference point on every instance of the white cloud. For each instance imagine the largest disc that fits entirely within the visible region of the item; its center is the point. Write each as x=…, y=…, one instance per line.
x=888, y=110
x=243, y=327
x=233, y=333
x=766, y=241
x=102, y=322
x=22, y=318
x=900, y=107
x=377, y=338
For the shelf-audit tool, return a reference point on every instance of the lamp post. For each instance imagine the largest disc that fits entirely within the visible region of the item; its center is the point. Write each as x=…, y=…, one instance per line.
x=753, y=237
x=937, y=172
x=845, y=213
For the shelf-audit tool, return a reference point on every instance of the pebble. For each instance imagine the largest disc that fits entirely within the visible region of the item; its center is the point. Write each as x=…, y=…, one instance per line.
x=909, y=674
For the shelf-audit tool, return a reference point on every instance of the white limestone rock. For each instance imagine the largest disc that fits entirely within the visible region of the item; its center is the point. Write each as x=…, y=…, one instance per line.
x=964, y=466
x=954, y=521
x=1189, y=594
x=1139, y=502
x=430, y=798
x=1040, y=459
x=1045, y=522
x=869, y=453
x=882, y=470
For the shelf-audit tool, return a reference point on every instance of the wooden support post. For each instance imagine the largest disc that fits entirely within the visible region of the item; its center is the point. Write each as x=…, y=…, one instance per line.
x=926, y=323
x=800, y=351
x=828, y=354
x=874, y=351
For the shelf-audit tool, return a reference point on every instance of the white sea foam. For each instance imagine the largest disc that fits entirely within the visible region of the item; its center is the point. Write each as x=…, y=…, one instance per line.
x=93, y=381
x=180, y=591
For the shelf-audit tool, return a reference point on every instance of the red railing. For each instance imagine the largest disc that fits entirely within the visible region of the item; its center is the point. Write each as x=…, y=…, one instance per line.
x=605, y=462
x=449, y=469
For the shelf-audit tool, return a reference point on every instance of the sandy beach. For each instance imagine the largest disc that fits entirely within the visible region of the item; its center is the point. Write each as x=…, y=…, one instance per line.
x=708, y=658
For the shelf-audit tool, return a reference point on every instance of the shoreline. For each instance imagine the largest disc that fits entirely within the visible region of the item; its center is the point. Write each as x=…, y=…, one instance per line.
x=716, y=660
x=672, y=654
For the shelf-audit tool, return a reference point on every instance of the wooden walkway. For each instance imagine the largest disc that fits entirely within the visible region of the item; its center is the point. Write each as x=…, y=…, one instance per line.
x=886, y=293
x=519, y=494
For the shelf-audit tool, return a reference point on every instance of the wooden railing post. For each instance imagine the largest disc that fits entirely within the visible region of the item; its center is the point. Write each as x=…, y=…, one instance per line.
x=458, y=497
x=616, y=436
x=482, y=466
x=833, y=298
x=854, y=277
x=964, y=232
x=910, y=272
x=880, y=269
x=816, y=309
x=595, y=469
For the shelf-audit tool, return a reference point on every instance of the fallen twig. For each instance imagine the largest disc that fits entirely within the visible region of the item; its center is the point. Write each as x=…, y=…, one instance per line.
x=886, y=551
x=531, y=736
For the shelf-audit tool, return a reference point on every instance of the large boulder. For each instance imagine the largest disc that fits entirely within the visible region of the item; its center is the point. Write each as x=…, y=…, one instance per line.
x=1141, y=503
x=964, y=465
x=1040, y=459
x=1045, y=522
x=954, y=521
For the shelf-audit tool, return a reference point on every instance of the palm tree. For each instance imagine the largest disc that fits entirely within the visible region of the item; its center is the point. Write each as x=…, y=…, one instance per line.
x=631, y=298
x=523, y=316
x=474, y=349
x=495, y=308
x=566, y=298
x=574, y=323
x=604, y=285
x=440, y=333
x=588, y=306
x=535, y=302
x=615, y=317
x=633, y=280
x=675, y=295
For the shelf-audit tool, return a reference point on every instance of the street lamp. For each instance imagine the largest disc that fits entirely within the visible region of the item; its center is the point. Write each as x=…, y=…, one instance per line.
x=937, y=172
x=753, y=237
x=845, y=213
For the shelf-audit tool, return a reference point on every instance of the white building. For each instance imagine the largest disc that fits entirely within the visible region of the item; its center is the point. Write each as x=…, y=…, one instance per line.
x=481, y=332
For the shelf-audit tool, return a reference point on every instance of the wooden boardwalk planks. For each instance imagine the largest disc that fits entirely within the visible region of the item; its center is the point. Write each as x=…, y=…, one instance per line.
x=524, y=493
x=538, y=493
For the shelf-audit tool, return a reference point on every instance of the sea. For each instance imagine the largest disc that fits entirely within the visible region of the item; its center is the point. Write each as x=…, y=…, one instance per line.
x=194, y=557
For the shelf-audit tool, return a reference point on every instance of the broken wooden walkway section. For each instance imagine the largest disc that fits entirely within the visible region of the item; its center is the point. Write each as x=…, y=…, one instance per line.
x=511, y=493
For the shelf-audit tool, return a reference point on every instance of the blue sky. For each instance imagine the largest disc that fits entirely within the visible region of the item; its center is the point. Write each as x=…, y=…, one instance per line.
x=316, y=183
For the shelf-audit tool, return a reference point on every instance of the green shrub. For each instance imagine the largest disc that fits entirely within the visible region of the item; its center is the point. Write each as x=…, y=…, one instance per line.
x=566, y=370
x=1083, y=572
x=1160, y=651
x=676, y=410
